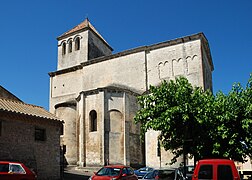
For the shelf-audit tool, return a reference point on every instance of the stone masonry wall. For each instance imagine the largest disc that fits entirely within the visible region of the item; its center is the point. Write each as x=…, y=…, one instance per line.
x=17, y=143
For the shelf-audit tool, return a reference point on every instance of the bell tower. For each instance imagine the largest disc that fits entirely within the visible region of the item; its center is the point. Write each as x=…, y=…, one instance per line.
x=80, y=44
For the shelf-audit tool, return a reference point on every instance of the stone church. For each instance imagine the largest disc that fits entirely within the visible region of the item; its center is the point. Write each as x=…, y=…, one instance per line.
x=94, y=91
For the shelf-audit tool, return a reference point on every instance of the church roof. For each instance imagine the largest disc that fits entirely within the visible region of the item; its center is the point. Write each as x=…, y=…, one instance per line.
x=84, y=25
x=17, y=107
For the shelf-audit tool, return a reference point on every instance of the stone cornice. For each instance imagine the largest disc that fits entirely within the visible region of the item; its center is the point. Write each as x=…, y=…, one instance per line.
x=108, y=89
x=63, y=71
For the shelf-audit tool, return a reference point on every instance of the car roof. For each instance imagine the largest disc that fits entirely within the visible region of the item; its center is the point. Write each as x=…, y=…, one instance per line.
x=8, y=162
x=215, y=160
x=170, y=169
x=116, y=166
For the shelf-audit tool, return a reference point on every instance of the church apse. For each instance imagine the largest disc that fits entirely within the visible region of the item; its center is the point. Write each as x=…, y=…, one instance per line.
x=67, y=112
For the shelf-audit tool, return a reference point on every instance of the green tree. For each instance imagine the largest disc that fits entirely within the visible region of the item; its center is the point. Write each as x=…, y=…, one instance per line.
x=232, y=133
x=194, y=121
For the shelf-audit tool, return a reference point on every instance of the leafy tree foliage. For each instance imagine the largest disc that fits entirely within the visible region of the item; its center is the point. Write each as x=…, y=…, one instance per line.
x=233, y=123
x=194, y=121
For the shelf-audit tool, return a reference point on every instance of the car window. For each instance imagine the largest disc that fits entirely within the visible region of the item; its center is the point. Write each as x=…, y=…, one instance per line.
x=190, y=169
x=146, y=169
x=124, y=171
x=224, y=172
x=108, y=172
x=17, y=168
x=205, y=172
x=149, y=169
x=130, y=171
x=4, y=167
x=151, y=175
x=166, y=174
x=142, y=169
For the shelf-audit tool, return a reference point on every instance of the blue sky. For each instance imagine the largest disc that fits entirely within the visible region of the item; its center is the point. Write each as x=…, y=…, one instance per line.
x=29, y=29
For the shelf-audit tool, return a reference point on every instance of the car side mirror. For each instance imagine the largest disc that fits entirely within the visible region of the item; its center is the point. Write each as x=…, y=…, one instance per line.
x=124, y=175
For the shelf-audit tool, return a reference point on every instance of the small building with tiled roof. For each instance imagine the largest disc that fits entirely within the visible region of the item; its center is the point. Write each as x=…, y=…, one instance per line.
x=31, y=135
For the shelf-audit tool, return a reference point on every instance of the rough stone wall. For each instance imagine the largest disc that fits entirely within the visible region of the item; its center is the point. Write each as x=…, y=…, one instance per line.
x=64, y=88
x=134, y=71
x=115, y=127
x=165, y=64
x=96, y=47
x=152, y=158
x=207, y=73
x=136, y=146
x=159, y=64
x=76, y=56
x=93, y=140
x=17, y=142
x=68, y=114
x=121, y=71
x=172, y=61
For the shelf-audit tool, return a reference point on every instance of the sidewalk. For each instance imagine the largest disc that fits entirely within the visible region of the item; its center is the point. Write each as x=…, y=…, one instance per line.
x=88, y=171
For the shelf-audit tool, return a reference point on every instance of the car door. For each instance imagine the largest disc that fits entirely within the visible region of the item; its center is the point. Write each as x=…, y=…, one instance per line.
x=131, y=174
x=4, y=172
x=205, y=172
x=224, y=172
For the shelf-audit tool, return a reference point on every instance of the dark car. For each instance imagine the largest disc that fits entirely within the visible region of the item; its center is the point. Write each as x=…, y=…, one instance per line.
x=164, y=174
x=189, y=171
x=142, y=171
x=15, y=171
x=114, y=172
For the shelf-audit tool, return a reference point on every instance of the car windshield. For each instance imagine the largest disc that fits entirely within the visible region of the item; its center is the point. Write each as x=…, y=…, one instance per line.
x=145, y=169
x=108, y=171
x=189, y=169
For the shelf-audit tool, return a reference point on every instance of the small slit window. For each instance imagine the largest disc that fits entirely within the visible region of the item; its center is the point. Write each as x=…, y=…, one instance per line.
x=70, y=46
x=40, y=134
x=93, y=120
x=77, y=44
x=63, y=48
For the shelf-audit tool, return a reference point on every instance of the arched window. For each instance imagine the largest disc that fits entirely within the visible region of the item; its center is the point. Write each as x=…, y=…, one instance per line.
x=77, y=44
x=64, y=48
x=70, y=46
x=93, y=120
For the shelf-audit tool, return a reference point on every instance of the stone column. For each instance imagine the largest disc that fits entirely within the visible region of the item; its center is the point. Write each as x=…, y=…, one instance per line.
x=82, y=144
x=126, y=131
x=102, y=150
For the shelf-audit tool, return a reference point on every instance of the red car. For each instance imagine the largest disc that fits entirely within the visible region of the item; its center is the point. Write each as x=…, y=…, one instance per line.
x=215, y=169
x=114, y=172
x=15, y=171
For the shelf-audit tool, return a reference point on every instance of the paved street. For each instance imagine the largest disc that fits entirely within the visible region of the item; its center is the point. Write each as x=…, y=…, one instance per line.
x=75, y=173
x=73, y=176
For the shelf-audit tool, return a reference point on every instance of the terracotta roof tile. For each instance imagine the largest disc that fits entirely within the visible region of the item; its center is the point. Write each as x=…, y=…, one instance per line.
x=26, y=109
x=83, y=25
